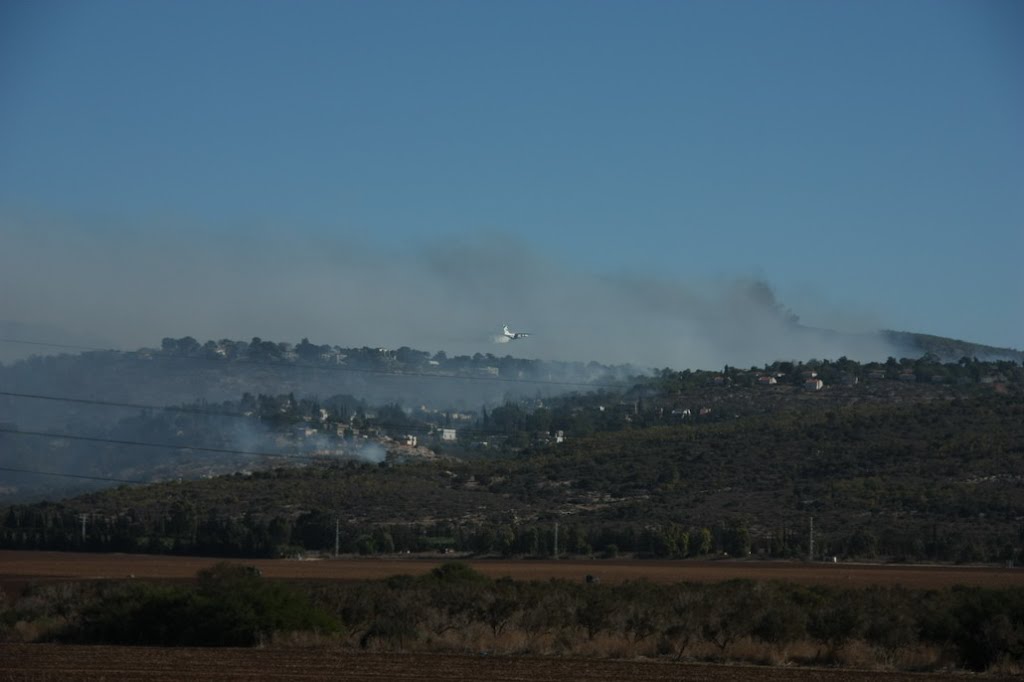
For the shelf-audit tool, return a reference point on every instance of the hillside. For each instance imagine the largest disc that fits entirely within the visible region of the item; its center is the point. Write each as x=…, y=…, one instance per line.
x=183, y=371
x=915, y=458
x=948, y=350
x=66, y=419
x=938, y=479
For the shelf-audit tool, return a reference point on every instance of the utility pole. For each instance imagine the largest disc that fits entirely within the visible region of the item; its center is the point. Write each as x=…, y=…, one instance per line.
x=811, y=543
x=82, y=518
x=336, y=536
x=556, y=539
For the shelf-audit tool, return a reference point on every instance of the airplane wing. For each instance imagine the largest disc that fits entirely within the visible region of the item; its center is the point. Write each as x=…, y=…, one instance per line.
x=513, y=335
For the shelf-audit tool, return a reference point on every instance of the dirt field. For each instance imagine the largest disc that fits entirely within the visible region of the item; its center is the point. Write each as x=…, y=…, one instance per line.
x=17, y=568
x=39, y=662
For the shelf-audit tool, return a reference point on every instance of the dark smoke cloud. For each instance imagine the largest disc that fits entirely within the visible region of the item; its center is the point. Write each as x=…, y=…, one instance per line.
x=131, y=289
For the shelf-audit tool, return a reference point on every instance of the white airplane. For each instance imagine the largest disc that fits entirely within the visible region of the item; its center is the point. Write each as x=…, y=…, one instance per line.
x=514, y=335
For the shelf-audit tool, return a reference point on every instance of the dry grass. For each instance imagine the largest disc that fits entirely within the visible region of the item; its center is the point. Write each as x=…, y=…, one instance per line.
x=38, y=630
x=512, y=641
x=1007, y=667
x=302, y=640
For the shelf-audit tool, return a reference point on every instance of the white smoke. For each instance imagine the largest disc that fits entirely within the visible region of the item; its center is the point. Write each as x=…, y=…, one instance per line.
x=372, y=452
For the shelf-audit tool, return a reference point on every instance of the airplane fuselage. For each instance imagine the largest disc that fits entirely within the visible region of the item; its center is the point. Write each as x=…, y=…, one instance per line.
x=513, y=335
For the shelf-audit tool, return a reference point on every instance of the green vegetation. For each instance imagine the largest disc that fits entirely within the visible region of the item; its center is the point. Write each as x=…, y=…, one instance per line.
x=231, y=606
x=902, y=460
x=454, y=608
x=935, y=480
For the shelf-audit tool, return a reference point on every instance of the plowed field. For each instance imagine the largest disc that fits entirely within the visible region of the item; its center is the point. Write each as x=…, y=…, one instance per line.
x=16, y=568
x=46, y=662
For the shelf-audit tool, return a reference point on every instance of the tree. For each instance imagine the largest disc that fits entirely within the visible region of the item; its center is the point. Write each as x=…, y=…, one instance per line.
x=594, y=610
x=706, y=542
x=736, y=540
x=499, y=606
x=307, y=352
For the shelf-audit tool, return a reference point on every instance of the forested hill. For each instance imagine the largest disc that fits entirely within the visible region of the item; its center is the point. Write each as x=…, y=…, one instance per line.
x=915, y=458
x=185, y=370
x=938, y=480
x=948, y=350
x=87, y=440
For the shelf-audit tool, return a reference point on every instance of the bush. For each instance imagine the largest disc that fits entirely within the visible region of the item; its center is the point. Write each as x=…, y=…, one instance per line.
x=232, y=606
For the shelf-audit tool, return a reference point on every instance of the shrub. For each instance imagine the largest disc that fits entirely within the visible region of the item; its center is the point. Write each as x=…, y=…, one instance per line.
x=232, y=606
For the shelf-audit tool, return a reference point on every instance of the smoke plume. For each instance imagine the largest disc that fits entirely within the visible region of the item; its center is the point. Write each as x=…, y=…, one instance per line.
x=130, y=289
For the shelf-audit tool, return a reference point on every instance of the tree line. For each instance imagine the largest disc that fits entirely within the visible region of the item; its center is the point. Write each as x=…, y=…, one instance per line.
x=454, y=608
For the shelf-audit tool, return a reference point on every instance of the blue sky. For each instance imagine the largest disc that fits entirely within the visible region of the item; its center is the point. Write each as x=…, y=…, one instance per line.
x=866, y=159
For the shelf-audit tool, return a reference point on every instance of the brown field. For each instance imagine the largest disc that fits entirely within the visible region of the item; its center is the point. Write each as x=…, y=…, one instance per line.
x=39, y=662
x=17, y=568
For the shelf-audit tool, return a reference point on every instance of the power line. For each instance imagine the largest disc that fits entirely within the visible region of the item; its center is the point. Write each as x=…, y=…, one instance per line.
x=64, y=475
x=426, y=429
x=321, y=459
x=166, y=446
x=111, y=403
x=334, y=368
x=169, y=446
x=202, y=411
x=58, y=345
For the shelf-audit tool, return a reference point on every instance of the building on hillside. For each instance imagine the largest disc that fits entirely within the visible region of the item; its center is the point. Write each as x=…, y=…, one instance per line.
x=767, y=380
x=814, y=384
x=448, y=435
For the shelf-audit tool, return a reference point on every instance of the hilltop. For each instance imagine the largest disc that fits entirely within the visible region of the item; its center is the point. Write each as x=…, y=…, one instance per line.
x=948, y=350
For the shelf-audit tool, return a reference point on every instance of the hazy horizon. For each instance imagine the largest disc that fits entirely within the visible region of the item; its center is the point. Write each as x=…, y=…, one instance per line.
x=453, y=294
x=643, y=182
